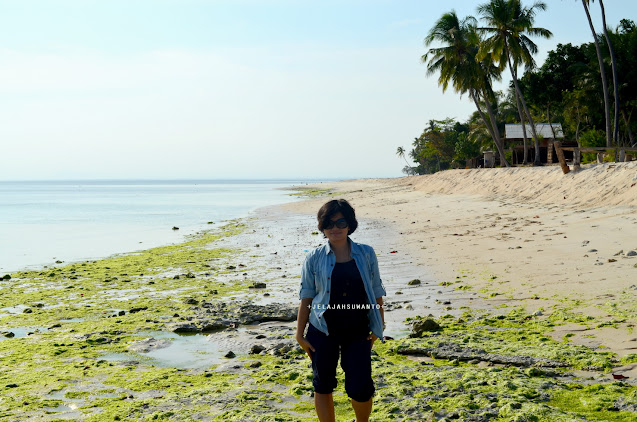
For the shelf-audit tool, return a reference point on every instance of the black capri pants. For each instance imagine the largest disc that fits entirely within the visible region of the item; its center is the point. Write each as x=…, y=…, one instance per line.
x=356, y=361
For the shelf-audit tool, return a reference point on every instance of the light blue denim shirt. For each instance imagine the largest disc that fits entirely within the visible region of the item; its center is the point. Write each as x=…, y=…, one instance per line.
x=316, y=281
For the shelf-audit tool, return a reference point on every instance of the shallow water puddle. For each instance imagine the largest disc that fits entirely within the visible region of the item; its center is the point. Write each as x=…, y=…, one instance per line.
x=69, y=409
x=73, y=320
x=18, y=309
x=20, y=332
x=186, y=351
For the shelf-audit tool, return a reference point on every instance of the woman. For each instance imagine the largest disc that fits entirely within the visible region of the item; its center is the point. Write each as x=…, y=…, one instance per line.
x=341, y=298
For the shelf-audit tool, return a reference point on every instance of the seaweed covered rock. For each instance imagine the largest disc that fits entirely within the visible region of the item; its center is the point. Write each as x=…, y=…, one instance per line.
x=421, y=326
x=148, y=345
x=453, y=351
x=626, y=404
x=212, y=316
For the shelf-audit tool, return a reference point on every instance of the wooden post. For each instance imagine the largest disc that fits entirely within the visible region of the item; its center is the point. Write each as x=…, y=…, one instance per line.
x=560, y=157
x=622, y=155
x=577, y=159
x=549, y=150
x=600, y=157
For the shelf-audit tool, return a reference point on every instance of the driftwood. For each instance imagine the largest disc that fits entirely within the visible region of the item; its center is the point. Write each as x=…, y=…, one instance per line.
x=560, y=156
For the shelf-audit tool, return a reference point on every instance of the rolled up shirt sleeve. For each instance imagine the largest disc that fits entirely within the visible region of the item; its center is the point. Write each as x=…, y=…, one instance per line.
x=377, y=284
x=308, y=282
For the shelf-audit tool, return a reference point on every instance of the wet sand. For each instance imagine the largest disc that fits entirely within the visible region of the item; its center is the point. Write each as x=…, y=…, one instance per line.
x=285, y=236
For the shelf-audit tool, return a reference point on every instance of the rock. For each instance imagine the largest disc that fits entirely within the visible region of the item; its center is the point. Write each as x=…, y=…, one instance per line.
x=256, y=349
x=592, y=250
x=214, y=315
x=612, y=260
x=626, y=404
x=409, y=307
x=175, y=228
x=256, y=364
x=27, y=311
x=190, y=275
x=281, y=349
x=414, y=282
x=453, y=351
x=7, y=334
x=6, y=277
x=191, y=301
x=213, y=325
x=229, y=355
x=148, y=345
x=422, y=325
x=258, y=285
x=619, y=253
x=184, y=328
x=631, y=253
x=135, y=310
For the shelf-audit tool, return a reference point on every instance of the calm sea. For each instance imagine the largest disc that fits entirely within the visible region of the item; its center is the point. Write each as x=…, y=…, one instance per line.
x=43, y=222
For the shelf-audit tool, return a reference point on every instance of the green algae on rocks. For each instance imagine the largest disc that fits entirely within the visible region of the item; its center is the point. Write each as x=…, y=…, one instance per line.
x=311, y=193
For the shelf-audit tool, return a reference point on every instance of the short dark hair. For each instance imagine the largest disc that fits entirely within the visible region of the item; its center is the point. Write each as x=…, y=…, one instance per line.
x=335, y=206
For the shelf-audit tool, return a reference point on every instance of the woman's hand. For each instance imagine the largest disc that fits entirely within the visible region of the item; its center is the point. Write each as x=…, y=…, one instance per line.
x=372, y=338
x=305, y=345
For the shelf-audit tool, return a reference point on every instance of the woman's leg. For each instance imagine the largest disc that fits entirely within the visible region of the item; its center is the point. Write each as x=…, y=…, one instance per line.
x=324, y=361
x=356, y=361
x=362, y=410
x=324, y=404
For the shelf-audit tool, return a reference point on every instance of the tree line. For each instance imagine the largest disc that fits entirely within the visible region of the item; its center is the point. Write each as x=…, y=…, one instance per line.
x=590, y=89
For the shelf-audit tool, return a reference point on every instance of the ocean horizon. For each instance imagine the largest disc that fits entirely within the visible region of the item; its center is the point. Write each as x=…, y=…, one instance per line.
x=53, y=222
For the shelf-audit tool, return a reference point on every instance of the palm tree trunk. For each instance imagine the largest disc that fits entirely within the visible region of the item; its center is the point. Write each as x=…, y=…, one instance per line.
x=613, y=63
x=492, y=127
x=523, y=122
x=631, y=138
x=602, y=72
x=536, y=142
x=579, y=119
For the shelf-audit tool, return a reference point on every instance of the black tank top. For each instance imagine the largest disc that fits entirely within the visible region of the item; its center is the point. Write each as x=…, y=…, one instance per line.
x=344, y=317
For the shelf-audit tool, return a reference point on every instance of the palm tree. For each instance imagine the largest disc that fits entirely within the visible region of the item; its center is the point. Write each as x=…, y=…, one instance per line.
x=457, y=64
x=613, y=63
x=602, y=72
x=508, y=23
x=400, y=151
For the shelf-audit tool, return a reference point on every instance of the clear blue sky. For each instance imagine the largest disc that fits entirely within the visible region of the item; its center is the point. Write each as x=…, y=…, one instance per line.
x=228, y=88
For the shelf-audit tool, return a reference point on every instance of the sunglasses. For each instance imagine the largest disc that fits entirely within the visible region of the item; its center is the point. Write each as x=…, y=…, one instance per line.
x=341, y=223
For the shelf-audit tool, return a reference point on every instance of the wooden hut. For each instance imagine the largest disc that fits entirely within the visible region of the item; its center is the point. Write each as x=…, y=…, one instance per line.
x=547, y=133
